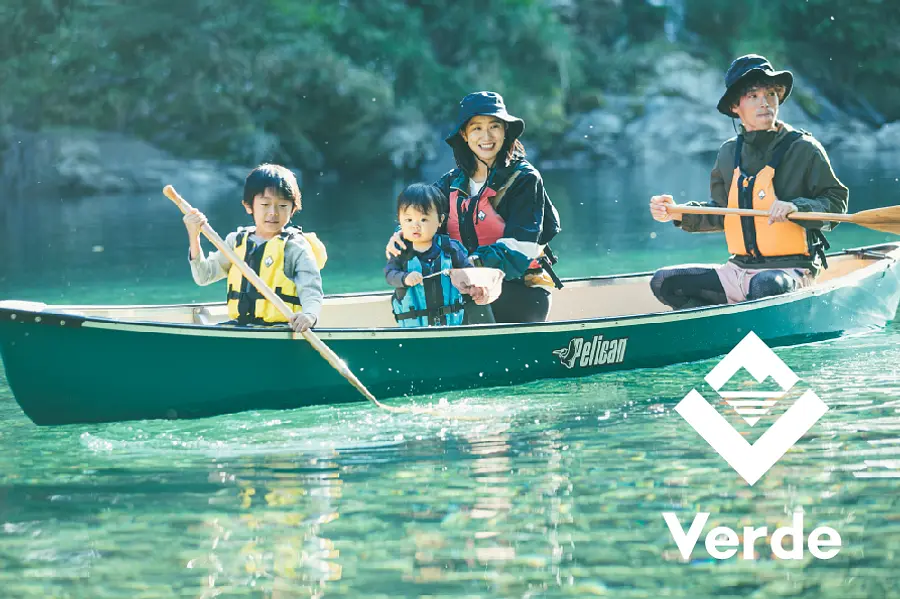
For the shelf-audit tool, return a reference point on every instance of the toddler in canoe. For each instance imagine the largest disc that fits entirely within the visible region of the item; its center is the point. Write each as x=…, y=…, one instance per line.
x=424, y=293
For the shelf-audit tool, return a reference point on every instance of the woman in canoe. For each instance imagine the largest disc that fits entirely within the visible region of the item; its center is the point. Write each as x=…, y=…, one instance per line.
x=498, y=208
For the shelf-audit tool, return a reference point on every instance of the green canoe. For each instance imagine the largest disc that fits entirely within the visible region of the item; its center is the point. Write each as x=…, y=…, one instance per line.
x=74, y=364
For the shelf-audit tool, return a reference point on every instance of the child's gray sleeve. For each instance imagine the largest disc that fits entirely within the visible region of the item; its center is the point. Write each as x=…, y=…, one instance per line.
x=300, y=266
x=212, y=268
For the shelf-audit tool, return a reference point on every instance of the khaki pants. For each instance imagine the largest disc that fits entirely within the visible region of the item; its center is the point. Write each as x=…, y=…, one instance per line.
x=736, y=280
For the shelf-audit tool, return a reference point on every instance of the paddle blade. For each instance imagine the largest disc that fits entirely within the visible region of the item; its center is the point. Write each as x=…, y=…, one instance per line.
x=886, y=220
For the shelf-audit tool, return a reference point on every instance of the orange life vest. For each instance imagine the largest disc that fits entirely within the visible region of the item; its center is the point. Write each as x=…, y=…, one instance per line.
x=754, y=236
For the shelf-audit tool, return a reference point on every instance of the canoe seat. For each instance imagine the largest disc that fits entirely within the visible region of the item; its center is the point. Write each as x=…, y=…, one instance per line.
x=202, y=315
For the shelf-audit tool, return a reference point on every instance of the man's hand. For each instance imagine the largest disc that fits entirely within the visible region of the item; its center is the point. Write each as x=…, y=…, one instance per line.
x=659, y=210
x=396, y=245
x=302, y=322
x=779, y=211
x=412, y=279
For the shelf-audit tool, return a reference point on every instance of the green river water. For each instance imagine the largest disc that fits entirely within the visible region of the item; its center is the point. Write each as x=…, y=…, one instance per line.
x=560, y=494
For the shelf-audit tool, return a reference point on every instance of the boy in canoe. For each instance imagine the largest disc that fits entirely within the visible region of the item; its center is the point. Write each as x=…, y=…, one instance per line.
x=769, y=166
x=284, y=257
x=424, y=292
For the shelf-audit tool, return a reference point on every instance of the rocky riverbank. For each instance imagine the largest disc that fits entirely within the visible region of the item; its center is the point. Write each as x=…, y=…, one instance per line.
x=672, y=115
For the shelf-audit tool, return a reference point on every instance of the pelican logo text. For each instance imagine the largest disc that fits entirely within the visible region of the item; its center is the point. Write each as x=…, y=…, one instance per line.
x=592, y=352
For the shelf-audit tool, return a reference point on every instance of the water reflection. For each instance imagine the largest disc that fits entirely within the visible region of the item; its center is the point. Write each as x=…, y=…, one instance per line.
x=273, y=542
x=115, y=249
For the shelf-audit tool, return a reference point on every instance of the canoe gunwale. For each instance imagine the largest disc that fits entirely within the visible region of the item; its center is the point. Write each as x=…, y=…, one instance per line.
x=66, y=315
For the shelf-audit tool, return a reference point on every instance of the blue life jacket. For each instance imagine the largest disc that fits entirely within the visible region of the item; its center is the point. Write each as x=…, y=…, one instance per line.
x=413, y=311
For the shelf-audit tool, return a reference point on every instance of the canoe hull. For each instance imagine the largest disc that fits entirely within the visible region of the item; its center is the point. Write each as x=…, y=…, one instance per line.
x=64, y=369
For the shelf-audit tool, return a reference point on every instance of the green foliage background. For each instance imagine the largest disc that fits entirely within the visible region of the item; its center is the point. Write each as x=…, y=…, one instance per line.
x=317, y=83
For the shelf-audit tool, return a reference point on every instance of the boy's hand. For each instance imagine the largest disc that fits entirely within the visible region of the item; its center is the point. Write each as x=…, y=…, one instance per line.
x=302, y=322
x=194, y=221
x=412, y=279
x=396, y=245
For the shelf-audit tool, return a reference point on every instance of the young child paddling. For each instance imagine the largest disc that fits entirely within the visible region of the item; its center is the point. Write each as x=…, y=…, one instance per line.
x=285, y=258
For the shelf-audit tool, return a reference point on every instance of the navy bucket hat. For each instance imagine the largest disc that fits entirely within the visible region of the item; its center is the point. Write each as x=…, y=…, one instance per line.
x=485, y=104
x=756, y=67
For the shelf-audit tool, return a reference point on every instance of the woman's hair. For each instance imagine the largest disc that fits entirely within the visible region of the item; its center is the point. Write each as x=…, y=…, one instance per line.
x=512, y=149
x=423, y=197
x=272, y=176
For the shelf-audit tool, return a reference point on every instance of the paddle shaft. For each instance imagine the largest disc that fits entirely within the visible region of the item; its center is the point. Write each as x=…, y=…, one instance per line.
x=270, y=295
x=827, y=216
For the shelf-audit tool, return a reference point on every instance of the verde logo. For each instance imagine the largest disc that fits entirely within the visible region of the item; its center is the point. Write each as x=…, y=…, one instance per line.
x=751, y=461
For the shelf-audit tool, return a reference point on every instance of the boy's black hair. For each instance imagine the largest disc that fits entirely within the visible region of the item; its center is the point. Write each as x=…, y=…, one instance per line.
x=422, y=197
x=272, y=176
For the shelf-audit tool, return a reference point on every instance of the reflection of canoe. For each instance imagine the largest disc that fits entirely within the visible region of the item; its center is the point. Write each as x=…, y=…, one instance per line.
x=68, y=364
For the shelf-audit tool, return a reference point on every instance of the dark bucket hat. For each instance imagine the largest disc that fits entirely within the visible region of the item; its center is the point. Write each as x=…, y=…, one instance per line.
x=756, y=66
x=485, y=104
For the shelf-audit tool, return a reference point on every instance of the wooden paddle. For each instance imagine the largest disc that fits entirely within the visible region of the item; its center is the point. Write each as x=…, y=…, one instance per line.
x=270, y=295
x=886, y=220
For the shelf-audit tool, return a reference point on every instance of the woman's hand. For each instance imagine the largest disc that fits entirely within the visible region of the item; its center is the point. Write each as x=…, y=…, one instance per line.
x=395, y=246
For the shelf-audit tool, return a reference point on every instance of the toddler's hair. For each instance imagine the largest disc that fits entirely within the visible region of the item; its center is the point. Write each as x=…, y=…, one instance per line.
x=423, y=197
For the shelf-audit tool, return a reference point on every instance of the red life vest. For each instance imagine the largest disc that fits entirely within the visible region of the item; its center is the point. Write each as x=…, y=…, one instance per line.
x=489, y=225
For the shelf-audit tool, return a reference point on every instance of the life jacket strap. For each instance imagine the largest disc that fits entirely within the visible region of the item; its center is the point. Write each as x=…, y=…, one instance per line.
x=252, y=294
x=435, y=315
x=547, y=260
x=819, y=246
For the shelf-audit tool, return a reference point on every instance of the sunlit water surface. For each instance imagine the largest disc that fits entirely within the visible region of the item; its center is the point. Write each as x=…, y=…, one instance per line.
x=557, y=492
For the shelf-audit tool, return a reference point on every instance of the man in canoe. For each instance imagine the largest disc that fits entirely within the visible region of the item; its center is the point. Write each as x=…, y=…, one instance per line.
x=769, y=166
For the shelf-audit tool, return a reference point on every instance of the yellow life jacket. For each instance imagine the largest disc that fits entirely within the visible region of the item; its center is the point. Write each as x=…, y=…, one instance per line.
x=753, y=235
x=245, y=303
